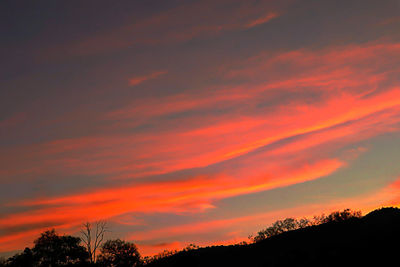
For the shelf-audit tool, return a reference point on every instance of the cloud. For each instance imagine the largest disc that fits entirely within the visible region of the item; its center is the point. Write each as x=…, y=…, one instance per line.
x=140, y=79
x=192, y=195
x=386, y=196
x=262, y=20
x=203, y=135
x=181, y=153
x=15, y=119
x=388, y=21
x=156, y=248
x=201, y=19
x=250, y=224
x=174, y=194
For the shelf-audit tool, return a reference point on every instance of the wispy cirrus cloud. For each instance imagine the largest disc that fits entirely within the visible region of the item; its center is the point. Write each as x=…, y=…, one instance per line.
x=202, y=19
x=215, y=137
x=261, y=20
x=191, y=195
x=268, y=131
x=13, y=120
x=388, y=195
x=249, y=115
x=140, y=79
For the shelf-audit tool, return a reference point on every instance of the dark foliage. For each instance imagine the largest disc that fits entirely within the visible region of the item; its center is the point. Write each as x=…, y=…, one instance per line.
x=119, y=253
x=290, y=224
x=52, y=250
x=22, y=259
x=341, y=240
x=339, y=216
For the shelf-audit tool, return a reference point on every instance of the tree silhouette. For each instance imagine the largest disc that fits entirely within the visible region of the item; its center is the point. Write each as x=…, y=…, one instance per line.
x=93, y=237
x=293, y=243
x=339, y=216
x=303, y=223
x=290, y=224
x=119, y=253
x=53, y=250
x=21, y=259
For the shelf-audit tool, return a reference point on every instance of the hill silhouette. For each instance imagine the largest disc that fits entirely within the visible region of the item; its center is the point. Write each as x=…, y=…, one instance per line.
x=343, y=238
x=372, y=240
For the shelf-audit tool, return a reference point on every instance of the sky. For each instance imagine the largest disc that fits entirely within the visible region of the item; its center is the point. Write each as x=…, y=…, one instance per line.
x=200, y=122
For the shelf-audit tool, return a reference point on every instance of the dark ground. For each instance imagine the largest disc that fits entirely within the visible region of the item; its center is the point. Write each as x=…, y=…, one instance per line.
x=373, y=240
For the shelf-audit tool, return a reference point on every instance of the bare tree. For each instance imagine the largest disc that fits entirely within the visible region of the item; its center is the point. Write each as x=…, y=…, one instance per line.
x=93, y=236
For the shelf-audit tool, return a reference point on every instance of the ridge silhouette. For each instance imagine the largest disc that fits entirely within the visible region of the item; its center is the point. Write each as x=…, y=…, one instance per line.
x=340, y=239
x=372, y=240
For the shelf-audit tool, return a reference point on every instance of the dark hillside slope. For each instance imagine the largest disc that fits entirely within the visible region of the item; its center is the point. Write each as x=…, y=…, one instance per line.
x=373, y=240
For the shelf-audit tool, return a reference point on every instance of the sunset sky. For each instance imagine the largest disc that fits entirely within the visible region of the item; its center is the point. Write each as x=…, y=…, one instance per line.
x=200, y=122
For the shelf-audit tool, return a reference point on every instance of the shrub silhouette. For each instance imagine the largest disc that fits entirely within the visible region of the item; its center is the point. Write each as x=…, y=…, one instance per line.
x=290, y=224
x=119, y=253
x=342, y=238
x=52, y=250
x=339, y=216
x=21, y=259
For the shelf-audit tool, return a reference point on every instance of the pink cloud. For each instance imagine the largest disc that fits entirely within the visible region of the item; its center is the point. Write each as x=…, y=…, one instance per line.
x=140, y=79
x=202, y=19
x=250, y=224
x=257, y=147
x=262, y=20
x=12, y=121
x=194, y=195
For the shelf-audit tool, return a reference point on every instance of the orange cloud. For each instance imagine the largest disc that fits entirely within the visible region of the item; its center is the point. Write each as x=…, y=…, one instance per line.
x=141, y=155
x=175, y=192
x=209, y=139
x=237, y=145
x=179, y=196
x=250, y=224
x=155, y=248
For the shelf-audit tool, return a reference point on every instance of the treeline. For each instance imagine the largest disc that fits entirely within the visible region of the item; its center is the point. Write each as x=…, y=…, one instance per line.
x=290, y=224
x=340, y=239
x=52, y=249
